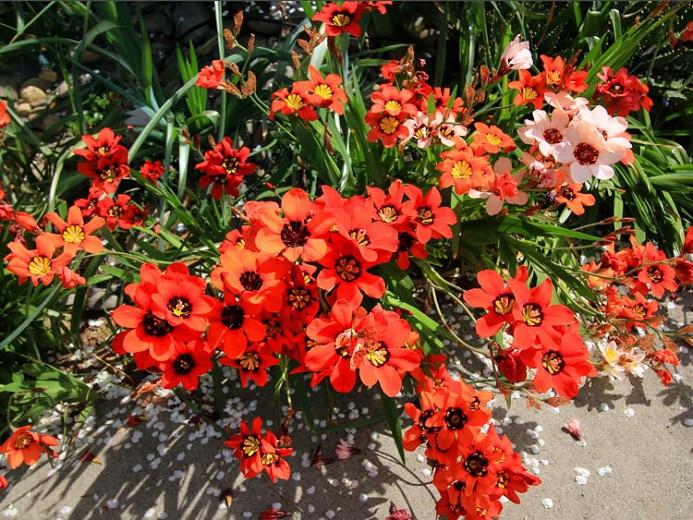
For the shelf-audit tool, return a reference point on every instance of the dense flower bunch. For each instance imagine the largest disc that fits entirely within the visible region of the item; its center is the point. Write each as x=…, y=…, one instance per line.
x=474, y=466
x=622, y=93
x=631, y=282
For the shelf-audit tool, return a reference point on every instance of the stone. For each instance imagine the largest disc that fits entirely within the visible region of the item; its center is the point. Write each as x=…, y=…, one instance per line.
x=33, y=95
x=48, y=75
x=22, y=108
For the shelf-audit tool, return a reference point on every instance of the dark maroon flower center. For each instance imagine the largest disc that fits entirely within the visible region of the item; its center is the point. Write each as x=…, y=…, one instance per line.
x=476, y=464
x=294, y=234
x=553, y=362
x=183, y=364
x=155, y=326
x=251, y=281
x=232, y=316
x=348, y=268
x=585, y=153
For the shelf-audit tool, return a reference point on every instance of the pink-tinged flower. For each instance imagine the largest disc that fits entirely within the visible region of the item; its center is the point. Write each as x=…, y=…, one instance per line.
x=503, y=189
x=547, y=131
x=420, y=129
x=565, y=102
x=516, y=56
x=448, y=130
x=585, y=150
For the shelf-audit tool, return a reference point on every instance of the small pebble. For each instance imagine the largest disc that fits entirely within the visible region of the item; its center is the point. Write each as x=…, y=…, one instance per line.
x=688, y=422
x=629, y=412
x=363, y=497
x=547, y=503
x=604, y=471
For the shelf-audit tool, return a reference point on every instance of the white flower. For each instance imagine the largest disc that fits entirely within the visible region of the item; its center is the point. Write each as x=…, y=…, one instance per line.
x=633, y=363
x=584, y=149
x=611, y=356
x=611, y=128
x=516, y=55
x=547, y=131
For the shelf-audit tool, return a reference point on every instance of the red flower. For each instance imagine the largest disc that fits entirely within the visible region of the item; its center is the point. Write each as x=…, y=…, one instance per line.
x=38, y=264
x=388, y=207
x=255, y=277
x=570, y=194
x=560, y=366
x=180, y=298
x=334, y=340
x=622, y=93
x=345, y=269
x=340, y=19
x=119, y=213
x=152, y=171
x=431, y=220
x=252, y=364
x=386, y=128
x=324, y=92
x=656, y=275
x=292, y=103
x=150, y=331
x=185, y=366
x=4, y=116
x=105, y=160
x=232, y=325
x=25, y=447
x=559, y=75
x=224, y=168
x=393, y=101
x=536, y=320
x=496, y=298
x=246, y=447
x=75, y=234
x=3, y=482
x=375, y=241
x=295, y=234
x=211, y=75
x=272, y=458
x=381, y=354
x=688, y=242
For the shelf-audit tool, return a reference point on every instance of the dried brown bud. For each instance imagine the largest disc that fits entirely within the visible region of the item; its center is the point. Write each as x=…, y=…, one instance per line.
x=296, y=59
x=237, y=22
x=250, y=85
x=303, y=44
x=251, y=43
x=232, y=89
x=234, y=68
x=212, y=142
x=484, y=73
x=229, y=38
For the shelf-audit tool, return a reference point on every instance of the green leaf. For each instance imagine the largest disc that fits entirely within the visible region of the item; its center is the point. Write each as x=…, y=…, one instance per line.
x=394, y=421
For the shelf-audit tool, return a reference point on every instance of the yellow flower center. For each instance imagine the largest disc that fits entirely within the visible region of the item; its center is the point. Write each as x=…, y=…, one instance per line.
x=324, y=91
x=532, y=314
x=341, y=20
x=389, y=125
x=269, y=458
x=23, y=441
x=251, y=445
x=493, y=139
x=529, y=93
x=40, y=266
x=73, y=234
x=377, y=353
x=294, y=102
x=393, y=106
x=461, y=170
x=553, y=77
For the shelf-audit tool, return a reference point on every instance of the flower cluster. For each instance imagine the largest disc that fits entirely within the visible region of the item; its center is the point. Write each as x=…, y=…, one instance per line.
x=545, y=336
x=474, y=466
x=258, y=452
x=224, y=168
x=345, y=18
x=622, y=93
x=306, y=96
x=631, y=281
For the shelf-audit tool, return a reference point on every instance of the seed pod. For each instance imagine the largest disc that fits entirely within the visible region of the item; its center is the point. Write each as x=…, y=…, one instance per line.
x=237, y=22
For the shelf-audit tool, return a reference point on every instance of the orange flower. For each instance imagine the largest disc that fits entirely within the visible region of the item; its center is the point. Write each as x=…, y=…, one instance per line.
x=37, y=264
x=530, y=89
x=492, y=139
x=576, y=201
x=292, y=103
x=212, y=75
x=464, y=170
x=25, y=447
x=74, y=234
x=324, y=92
